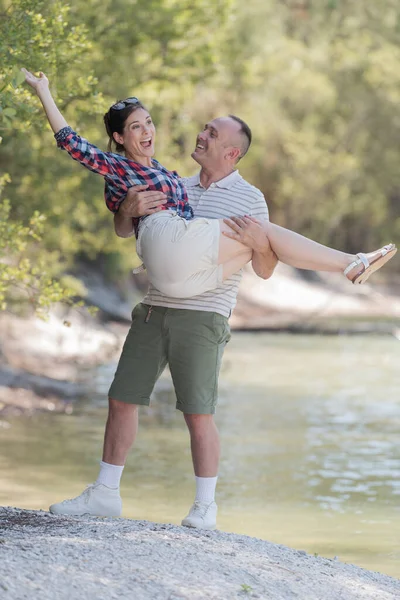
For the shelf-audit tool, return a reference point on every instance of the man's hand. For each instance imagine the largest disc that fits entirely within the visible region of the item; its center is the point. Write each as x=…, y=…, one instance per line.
x=248, y=231
x=139, y=202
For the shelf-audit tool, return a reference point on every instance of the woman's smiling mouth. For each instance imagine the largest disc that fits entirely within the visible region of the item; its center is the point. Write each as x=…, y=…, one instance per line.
x=146, y=143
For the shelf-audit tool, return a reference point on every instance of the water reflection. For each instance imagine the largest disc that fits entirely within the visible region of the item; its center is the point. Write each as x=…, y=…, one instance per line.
x=353, y=432
x=309, y=429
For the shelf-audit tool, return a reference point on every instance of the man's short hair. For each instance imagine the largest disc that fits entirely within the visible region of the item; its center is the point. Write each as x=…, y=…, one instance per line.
x=245, y=135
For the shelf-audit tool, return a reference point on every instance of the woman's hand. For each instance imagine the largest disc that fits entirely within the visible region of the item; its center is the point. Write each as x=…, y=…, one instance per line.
x=37, y=83
x=41, y=86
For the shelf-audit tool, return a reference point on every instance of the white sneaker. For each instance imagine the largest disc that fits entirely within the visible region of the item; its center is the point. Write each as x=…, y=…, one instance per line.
x=97, y=500
x=202, y=516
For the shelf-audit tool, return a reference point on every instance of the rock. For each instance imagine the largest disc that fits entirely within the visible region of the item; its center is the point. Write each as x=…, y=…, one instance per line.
x=44, y=365
x=115, y=302
x=291, y=300
x=41, y=385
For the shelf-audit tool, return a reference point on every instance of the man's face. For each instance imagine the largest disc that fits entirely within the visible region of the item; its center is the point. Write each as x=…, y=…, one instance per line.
x=214, y=144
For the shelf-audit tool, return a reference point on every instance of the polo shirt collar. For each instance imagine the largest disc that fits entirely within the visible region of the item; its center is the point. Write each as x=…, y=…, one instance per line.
x=225, y=183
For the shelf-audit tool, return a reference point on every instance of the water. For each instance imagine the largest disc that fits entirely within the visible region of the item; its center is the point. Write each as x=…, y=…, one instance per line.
x=310, y=439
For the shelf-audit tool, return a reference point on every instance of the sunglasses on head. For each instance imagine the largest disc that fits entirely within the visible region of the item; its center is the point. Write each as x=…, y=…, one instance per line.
x=125, y=103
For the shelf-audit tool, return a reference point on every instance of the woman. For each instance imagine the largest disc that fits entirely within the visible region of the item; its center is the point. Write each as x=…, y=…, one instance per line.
x=184, y=256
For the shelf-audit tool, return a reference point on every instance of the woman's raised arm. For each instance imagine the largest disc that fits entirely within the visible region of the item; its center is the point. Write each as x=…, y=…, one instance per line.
x=77, y=147
x=41, y=86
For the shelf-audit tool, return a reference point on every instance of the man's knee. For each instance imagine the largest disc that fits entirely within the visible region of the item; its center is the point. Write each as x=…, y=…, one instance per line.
x=198, y=423
x=119, y=408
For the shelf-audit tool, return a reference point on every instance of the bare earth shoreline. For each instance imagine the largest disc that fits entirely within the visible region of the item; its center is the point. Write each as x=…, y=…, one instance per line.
x=48, y=557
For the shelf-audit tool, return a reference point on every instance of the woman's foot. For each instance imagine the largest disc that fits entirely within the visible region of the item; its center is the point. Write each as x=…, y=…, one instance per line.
x=366, y=264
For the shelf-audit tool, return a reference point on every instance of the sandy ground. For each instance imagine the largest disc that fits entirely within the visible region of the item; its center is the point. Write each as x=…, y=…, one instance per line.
x=47, y=365
x=49, y=557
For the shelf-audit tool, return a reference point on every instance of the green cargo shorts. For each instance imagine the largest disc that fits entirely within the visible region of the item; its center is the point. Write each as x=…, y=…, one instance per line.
x=191, y=342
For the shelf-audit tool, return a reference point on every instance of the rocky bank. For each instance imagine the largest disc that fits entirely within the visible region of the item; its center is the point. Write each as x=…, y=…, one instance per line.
x=48, y=557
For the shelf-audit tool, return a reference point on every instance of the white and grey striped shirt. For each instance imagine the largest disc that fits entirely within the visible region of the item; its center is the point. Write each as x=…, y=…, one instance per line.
x=228, y=197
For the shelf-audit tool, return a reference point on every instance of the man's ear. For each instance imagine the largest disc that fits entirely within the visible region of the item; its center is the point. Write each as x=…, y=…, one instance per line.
x=234, y=154
x=118, y=138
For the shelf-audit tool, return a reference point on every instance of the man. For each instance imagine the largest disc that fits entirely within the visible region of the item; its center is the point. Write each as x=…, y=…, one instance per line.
x=160, y=326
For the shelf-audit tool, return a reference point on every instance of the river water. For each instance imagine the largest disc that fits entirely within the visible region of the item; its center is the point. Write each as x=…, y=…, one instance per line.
x=310, y=448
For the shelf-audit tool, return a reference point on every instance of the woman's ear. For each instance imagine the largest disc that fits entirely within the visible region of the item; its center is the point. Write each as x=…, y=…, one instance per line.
x=118, y=138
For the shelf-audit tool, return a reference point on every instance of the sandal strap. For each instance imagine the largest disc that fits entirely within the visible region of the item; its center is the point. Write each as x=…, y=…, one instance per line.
x=139, y=269
x=362, y=259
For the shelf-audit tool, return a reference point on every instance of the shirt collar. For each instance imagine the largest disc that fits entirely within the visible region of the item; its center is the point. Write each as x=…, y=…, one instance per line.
x=225, y=183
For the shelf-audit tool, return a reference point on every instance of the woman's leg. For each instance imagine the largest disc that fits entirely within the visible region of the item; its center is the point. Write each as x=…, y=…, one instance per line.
x=298, y=251
x=291, y=248
x=232, y=254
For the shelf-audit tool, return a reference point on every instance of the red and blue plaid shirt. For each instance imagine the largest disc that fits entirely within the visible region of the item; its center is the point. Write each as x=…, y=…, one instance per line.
x=121, y=173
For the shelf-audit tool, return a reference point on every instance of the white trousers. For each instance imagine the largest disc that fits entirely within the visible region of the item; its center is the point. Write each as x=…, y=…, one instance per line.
x=180, y=256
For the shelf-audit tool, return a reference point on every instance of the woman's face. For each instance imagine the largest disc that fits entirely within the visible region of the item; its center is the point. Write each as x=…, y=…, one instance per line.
x=138, y=136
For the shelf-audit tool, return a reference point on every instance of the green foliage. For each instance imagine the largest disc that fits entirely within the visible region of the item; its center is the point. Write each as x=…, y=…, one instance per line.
x=246, y=589
x=31, y=34
x=24, y=270
x=36, y=33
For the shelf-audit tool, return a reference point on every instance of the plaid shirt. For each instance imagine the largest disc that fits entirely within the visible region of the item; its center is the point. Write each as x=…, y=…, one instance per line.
x=121, y=173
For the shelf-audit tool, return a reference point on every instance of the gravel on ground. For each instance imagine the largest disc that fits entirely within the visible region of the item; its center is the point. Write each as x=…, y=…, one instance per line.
x=49, y=557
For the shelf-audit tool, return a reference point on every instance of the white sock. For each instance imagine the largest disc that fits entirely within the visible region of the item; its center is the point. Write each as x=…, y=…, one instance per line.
x=109, y=475
x=205, y=489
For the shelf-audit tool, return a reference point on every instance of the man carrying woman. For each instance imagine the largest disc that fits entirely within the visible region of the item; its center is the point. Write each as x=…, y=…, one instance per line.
x=192, y=258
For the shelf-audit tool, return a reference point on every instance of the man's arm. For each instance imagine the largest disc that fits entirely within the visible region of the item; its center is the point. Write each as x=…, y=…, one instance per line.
x=264, y=263
x=249, y=231
x=138, y=202
x=124, y=226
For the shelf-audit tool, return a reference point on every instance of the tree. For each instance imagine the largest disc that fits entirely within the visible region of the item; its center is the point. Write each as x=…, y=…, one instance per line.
x=31, y=31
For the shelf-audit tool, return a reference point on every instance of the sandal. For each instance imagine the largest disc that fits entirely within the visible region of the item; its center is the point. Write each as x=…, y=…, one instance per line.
x=139, y=269
x=386, y=253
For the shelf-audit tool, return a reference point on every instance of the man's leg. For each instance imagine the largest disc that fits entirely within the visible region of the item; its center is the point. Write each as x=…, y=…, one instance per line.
x=103, y=498
x=120, y=434
x=205, y=447
x=204, y=443
x=121, y=431
x=194, y=363
x=142, y=360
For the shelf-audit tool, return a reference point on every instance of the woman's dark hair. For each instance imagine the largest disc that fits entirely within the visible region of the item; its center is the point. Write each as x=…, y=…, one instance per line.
x=115, y=119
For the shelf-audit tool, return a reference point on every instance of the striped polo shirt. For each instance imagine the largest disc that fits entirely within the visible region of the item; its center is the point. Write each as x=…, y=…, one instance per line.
x=231, y=196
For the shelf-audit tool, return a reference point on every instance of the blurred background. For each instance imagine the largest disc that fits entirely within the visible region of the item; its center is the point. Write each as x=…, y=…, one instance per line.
x=310, y=409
